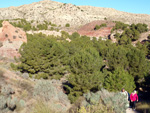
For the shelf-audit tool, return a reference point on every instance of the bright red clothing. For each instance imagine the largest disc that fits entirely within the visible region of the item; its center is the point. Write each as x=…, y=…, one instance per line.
x=133, y=97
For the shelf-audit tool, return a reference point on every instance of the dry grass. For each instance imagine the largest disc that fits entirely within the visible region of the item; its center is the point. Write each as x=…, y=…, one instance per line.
x=100, y=108
x=143, y=107
x=2, y=73
x=2, y=77
x=42, y=107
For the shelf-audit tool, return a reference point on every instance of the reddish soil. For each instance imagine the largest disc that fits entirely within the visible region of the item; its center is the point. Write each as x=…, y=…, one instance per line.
x=88, y=29
x=11, y=38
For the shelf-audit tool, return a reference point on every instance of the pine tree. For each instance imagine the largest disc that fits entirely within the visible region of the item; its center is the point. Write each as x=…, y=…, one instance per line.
x=85, y=67
x=119, y=79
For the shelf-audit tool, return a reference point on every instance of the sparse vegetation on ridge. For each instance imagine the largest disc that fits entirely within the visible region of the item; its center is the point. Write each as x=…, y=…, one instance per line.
x=32, y=25
x=129, y=32
x=97, y=27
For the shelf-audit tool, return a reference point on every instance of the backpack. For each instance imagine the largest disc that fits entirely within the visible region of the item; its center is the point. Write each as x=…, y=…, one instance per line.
x=128, y=96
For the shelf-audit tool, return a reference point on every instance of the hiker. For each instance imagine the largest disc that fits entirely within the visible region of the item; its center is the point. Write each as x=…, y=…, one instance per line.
x=134, y=99
x=124, y=92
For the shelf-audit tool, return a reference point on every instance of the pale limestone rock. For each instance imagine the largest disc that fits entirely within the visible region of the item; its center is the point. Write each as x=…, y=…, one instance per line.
x=60, y=13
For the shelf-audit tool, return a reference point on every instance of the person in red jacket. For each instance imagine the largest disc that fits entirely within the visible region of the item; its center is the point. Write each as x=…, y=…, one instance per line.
x=134, y=99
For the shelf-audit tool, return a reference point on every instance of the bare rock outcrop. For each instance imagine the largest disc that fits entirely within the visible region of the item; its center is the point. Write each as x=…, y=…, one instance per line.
x=11, y=38
x=112, y=38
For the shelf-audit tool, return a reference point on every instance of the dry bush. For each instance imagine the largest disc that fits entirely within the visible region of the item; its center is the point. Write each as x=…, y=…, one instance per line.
x=42, y=107
x=1, y=74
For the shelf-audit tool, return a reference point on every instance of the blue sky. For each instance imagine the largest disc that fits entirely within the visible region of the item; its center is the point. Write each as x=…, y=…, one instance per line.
x=133, y=6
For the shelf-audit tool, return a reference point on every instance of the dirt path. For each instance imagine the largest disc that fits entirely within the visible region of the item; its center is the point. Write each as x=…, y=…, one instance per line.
x=129, y=110
x=143, y=36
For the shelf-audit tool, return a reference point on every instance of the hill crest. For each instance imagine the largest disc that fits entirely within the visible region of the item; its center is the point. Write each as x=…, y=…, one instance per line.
x=62, y=13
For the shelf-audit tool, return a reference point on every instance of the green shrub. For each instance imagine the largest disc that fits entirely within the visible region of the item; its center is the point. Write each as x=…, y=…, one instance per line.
x=119, y=79
x=1, y=73
x=43, y=55
x=120, y=25
x=1, y=23
x=148, y=36
x=131, y=32
x=54, y=25
x=65, y=35
x=85, y=67
x=138, y=64
x=103, y=25
x=22, y=23
x=13, y=66
x=105, y=18
x=97, y=27
x=141, y=27
x=75, y=35
x=67, y=25
x=41, y=75
x=52, y=28
x=42, y=26
x=116, y=57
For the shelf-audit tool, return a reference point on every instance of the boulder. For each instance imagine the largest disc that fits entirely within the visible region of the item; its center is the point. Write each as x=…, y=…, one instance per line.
x=112, y=38
x=11, y=38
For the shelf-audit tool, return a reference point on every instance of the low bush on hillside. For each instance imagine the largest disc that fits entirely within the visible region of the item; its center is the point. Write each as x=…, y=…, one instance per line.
x=67, y=25
x=49, y=92
x=104, y=101
x=120, y=25
x=130, y=32
x=7, y=103
x=42, y=107
x=97, y=27
x=1, y=23
x=28, y=25
x=1, y=73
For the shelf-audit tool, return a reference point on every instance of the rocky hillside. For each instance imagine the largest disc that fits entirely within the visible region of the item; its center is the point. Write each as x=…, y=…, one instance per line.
x=11, y=38
x=61, y=13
